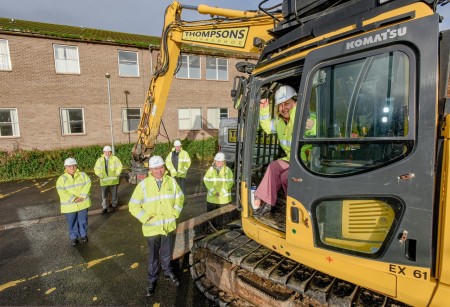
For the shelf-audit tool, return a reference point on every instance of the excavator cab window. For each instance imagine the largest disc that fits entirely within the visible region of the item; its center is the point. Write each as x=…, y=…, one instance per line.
x=361, y=110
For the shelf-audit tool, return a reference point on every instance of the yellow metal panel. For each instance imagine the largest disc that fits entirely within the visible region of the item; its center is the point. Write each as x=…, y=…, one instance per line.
x=441, y=297
x=443, y=251
x=366, y=220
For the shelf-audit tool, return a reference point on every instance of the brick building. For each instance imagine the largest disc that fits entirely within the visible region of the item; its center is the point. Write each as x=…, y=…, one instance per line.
x=54, y=92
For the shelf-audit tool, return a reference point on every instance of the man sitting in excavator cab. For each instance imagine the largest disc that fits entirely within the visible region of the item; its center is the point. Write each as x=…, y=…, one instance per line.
x=275, y=176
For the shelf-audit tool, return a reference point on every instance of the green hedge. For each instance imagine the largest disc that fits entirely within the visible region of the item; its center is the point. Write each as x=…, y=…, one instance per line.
x=34, y=164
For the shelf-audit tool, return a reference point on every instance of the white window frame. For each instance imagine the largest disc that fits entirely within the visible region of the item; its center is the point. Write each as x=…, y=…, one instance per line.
x=187, y=61
x=128, y=62
x=65, y=122
x=216, y=69
x=14, y=123
x=67, y=59
x=190, y=119
x=213, y=117
x=5, y=58
x=126, y=121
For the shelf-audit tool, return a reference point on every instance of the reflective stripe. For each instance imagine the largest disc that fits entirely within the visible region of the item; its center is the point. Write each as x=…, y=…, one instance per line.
x=109, y=178
x=264, y=117
x=140, y=214
x=164, y=196
x=184, y=160
x=285, y=143
x=218, y=179
x=73, y=185
x=273, y=129
x=176, y=207
x=162, y=222
x=135, y=201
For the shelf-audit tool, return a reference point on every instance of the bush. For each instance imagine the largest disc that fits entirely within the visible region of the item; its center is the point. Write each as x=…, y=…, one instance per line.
x=34, y=164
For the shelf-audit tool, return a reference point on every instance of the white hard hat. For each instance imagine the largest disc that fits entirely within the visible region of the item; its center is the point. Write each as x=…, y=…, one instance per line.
x=155, y=161
x=219, y=156
x=177, y=143
x=107, y=148
x=284, y=93
x=70, y=161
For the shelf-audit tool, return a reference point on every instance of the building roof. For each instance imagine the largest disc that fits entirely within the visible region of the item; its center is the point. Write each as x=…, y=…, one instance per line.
x=40, y=29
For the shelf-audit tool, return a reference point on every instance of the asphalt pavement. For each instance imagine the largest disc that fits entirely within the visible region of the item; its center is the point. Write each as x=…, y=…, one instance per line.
x=38, y=267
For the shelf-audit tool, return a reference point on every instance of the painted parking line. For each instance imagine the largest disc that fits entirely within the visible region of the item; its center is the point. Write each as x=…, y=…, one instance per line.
x=9, y=194
x=84, y=267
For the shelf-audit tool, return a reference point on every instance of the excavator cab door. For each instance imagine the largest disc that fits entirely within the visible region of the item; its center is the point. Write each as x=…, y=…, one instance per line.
x=363, y=174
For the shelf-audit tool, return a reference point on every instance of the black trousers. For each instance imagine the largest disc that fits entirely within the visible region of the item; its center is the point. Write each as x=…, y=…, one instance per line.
x=211, y=206
x=160, y=250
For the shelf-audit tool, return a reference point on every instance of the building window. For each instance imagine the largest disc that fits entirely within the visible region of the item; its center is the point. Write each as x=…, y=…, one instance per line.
x=5, y=60
x=66, y=59
x=128, y=64
x=214, y=115
x=216, y=69
x=190, y=67
x=190, y=119
x=9, y=123
x=72, y=121
x=130, y=119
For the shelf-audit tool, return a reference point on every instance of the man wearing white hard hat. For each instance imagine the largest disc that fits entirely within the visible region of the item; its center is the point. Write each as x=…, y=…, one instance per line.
x=282, y=125
x=157, y=202
x=74, y=188
x=178, y=163
x=108, y=168
x=218, y=181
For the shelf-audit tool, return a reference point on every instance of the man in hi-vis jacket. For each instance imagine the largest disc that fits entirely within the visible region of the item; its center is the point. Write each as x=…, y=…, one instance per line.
x=108, y=169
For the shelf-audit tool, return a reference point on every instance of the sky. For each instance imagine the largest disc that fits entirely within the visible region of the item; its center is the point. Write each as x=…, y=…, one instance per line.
x=131, y=16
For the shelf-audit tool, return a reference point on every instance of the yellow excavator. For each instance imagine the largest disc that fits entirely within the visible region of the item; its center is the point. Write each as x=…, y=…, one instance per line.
x=364, y=220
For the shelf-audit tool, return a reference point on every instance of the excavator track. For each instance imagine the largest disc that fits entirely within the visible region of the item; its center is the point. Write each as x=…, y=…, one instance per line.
x=233, y=270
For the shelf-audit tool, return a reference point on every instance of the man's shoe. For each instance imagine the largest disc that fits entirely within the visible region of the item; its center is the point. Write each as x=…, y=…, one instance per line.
x=84, y=239
x=73, y=242
x=151, y=289
x=114, y=209
x=173, y=279
x=263, y=210
x=105, y=210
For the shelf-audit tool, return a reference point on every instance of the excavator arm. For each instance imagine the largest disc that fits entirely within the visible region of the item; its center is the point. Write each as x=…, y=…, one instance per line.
x=230, y=30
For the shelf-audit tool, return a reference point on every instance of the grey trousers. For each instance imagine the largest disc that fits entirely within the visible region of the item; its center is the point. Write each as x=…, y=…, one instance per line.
x=109, y=190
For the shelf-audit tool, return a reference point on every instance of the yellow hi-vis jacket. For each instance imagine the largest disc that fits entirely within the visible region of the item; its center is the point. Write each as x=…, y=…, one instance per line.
x=69, y=188
x=114, y=170
x=219, y=182
x=184, y=162
x=157, y=209
x=278, y=125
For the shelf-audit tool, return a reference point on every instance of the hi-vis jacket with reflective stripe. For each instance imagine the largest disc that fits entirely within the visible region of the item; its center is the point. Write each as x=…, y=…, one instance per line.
x=219, y=182
x=69, y=188
x=278, y=125
x=156, y=208
x=184, y=162
x=114, y=170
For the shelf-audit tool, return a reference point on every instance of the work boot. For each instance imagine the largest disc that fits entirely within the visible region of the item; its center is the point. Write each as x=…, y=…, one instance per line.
x=84, y=239
x=173, y=279
x=105, y=210
x=73, y=242
x=151, y=289
x=263, y=210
